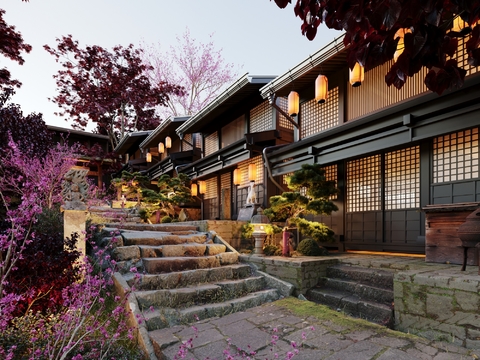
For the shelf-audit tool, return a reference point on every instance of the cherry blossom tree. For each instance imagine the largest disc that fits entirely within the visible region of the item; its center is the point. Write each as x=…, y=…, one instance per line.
x=199, y=67
x=109, y=88
x=11, y=46
x=374, y=28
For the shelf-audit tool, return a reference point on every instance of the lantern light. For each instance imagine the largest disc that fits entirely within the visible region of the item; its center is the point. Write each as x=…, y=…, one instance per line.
x=400, y=35
x=168, y=142
x=321, y=89
x=236, y=177
x=461, y=26
x=202, y=187
x=194, y=189
x=149, y=157
x=357, y=75
x=252, y=172
x=293, y=103
x=161, y=148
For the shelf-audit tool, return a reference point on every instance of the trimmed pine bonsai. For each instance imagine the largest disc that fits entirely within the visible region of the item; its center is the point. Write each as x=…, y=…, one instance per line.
x=310, y=194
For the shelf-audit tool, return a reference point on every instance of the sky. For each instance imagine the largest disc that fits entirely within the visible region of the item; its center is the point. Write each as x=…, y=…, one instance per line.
x=255, y=35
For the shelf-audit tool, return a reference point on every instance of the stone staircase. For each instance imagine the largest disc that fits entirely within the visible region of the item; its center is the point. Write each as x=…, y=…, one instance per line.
x=107, y=214
x=179, y=275
x=361, y=292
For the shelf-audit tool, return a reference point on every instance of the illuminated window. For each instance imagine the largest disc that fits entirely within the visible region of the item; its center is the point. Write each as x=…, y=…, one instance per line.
x=402, y=179
x=364, y=184
x=318, y=117
x=455, y=156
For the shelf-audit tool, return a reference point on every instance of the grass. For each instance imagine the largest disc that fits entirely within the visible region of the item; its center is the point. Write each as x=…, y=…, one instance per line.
x=323, y=313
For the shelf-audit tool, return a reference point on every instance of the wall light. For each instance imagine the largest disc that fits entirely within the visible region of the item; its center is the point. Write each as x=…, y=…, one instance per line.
x=202, y=187
x=357, y=75
x=149, y=157
x=321, y=89
x=236, y=177
x=293, y=103
x=252, y=172
x=194, y=189
x=168, y=142
x=161, y=148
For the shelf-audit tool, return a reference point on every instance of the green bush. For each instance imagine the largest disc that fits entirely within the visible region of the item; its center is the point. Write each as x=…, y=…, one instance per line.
x=166, y=219
x=270, y=250
x=310, y=247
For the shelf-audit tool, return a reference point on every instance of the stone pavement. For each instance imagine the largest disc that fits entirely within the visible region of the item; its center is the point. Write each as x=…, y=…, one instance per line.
x=317, y=332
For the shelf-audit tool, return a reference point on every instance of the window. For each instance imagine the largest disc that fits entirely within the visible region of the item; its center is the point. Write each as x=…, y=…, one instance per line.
x=318, y=117
x=211, y=143
x=364, y=184
x=261, y=117
x=402, y=179
x=455, y=156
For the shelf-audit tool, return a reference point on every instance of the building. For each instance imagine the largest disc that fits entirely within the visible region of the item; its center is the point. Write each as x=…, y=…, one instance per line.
x=392, y=152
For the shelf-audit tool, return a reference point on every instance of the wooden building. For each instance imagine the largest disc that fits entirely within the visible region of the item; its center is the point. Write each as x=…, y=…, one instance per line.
x=392, y=152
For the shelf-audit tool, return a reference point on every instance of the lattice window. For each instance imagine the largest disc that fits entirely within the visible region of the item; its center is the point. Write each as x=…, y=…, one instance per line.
x=261, y=117
x=198, y=140
x=331, y=175
x=187, y=144
x=402, y=179
x=455, y=156
x=318, y=117
x=211, y=143
x=282, y=120
x=233, y=131
x=243, y=167
x=364, y=184
x=462, y=57
x=211, y=192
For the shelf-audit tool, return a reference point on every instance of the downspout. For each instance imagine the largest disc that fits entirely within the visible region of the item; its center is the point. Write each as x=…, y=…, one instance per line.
x=267, y=164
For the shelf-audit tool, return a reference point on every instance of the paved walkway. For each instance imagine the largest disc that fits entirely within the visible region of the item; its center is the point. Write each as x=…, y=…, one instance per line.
x=319, y=334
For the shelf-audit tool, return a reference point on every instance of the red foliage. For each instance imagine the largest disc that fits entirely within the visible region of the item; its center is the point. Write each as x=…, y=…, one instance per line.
x=107, y=88
x=46, y=267
x=11, y=46
x=29, y=132
x=370, y=27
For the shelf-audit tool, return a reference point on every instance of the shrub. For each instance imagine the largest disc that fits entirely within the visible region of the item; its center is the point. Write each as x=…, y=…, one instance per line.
x=166, y=219
x=46, y=267
x=310, y=247
x=270, y=250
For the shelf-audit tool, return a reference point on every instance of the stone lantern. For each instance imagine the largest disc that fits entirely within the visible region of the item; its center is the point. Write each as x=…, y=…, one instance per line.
x=259, y=222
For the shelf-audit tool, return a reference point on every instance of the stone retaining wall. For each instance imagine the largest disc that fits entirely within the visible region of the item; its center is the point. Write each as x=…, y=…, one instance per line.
x=303, y=273
x=228, y=230
x=439, y=305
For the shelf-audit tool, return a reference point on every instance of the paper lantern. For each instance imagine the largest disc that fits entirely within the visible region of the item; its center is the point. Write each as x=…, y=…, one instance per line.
x=293, y=103
x=321, y=89
x=357, y=75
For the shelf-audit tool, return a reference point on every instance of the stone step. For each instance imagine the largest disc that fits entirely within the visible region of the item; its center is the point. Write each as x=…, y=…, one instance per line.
x=169, y=264
x=167, y=317
x=122, y=253
x=369, y=276
x=354, y=306
x=363, y=291
x=157, y=238
x=186, y=278
x=174, y=228
x=199, y=294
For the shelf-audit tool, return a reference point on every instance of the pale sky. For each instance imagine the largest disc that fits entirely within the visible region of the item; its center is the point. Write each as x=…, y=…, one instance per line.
x=255, y=35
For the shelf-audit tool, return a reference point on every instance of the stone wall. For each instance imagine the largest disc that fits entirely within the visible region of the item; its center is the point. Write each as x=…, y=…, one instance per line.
x=303, y=273
x=439, y=305
x=228, y=230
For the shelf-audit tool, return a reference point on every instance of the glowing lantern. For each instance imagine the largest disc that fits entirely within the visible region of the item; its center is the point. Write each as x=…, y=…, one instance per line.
x=252, y=172
x=194, y=189
x=236, y=177
x=168, y=142
x=321, y=89
x=293, y=103
x=357, y=75
x=149, y=157
x=161, y=148
x=202, y=185
x=400, y=45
